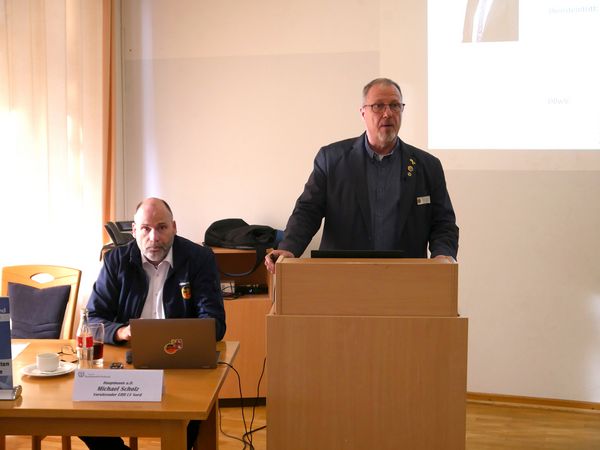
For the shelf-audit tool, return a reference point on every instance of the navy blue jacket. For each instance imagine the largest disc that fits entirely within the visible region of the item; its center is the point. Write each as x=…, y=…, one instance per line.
x=337, y=192
x=120, y=291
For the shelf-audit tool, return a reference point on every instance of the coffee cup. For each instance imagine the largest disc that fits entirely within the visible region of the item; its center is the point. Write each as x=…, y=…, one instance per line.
x=47, y=362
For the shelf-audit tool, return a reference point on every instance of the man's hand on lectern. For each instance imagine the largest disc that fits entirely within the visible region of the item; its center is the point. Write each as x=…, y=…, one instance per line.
x=448, y=259
x=273, y=256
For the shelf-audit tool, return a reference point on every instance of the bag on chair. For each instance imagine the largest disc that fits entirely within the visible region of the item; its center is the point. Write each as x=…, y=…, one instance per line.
x=236, y=233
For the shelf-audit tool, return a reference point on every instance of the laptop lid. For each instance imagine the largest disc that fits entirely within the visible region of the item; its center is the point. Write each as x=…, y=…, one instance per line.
x=173, y=343
x=357, y=254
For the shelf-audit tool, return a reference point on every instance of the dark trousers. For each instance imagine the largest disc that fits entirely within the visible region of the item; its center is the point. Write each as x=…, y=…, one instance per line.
x=116, y=443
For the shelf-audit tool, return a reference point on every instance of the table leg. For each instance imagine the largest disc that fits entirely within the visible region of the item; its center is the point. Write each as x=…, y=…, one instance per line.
x=36, y=442
x=66, y=443
x=208, y=437
x=174, y=434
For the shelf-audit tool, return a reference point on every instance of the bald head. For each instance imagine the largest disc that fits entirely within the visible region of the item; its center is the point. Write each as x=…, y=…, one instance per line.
x=153, y=202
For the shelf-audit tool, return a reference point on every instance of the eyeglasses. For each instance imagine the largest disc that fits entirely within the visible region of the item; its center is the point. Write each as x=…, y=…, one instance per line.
x=380, y=107
x=68, y=354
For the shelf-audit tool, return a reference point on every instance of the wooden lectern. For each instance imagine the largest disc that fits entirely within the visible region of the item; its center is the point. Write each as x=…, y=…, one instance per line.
x=366, y=354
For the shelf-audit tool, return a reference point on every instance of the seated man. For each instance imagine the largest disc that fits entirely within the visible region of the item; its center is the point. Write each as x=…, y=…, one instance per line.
x=143, y=280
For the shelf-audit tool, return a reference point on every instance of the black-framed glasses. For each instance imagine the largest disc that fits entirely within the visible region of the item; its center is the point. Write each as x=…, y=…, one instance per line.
x=380, y=107
x=68, y=354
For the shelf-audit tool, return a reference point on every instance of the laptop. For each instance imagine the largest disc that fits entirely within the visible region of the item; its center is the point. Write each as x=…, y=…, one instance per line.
x=357, y=254
x=173, y=343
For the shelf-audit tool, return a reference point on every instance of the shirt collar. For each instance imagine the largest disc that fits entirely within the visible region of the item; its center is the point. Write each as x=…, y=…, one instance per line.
x=373, y=155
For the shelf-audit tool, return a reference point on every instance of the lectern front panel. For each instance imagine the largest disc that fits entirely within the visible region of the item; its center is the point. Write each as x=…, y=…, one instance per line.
x=381, y=287
x=355, y=383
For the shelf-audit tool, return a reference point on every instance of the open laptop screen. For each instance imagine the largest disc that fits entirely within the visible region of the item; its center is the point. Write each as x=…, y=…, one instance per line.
x=357, y=254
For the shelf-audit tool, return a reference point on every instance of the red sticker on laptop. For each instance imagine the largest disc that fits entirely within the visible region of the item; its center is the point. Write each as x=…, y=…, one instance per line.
x=174, y=346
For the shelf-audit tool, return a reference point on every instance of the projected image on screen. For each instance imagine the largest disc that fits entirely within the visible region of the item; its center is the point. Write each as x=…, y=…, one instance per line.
x=514, y=74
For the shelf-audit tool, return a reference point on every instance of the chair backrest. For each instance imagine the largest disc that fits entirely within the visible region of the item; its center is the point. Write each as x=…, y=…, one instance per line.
x=32, y=275
x=119, y=232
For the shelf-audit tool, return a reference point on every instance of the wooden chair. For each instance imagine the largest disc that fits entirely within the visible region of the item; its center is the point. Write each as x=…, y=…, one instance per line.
x=33, y=275
x=41, y=277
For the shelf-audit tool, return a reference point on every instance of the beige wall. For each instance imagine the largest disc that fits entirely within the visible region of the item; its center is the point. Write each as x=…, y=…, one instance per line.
x=225, y=105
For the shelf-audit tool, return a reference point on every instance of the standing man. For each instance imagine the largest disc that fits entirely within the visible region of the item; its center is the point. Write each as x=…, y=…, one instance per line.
x=146, y=279
x=375, y=192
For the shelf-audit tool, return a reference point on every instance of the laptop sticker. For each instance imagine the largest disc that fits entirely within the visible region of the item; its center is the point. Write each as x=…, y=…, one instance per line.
x=174, y=346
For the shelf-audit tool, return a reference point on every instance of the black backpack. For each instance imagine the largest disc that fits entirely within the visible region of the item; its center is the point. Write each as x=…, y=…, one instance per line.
x=236, y=233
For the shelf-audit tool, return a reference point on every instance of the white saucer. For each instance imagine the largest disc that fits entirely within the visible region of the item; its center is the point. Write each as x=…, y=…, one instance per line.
x=63, y=368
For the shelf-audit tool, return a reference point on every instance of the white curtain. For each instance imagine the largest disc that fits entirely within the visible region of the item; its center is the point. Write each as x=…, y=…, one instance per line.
x=53, y=116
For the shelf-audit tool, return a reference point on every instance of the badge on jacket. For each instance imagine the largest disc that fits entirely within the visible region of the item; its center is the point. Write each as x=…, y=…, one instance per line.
x=425, y=200
x=411, y=167
x=186, y=290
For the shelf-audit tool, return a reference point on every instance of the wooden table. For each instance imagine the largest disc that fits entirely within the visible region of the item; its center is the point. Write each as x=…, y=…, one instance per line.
x=46, y=406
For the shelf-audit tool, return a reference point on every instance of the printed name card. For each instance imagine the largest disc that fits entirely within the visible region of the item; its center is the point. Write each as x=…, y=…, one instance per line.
x=6, y=379
x=99, y=385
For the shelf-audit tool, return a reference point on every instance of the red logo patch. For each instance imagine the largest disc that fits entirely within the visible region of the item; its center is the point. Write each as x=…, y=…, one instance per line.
x=173, y=346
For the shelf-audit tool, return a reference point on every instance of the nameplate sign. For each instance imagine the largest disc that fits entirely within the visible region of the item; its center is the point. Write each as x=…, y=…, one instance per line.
x=6, y=378
x=100, y=385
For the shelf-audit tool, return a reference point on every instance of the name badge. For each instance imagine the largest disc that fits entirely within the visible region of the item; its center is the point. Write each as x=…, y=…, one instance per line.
x=423, y=200
x=99, y=385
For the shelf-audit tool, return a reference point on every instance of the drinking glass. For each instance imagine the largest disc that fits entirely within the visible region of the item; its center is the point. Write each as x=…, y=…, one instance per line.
x=97, y=332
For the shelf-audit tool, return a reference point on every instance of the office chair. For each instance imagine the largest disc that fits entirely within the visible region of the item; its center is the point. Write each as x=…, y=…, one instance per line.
x=119, y=233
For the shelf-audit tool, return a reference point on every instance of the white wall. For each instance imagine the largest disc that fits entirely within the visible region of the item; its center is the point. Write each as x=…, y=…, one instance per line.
x=226, y=104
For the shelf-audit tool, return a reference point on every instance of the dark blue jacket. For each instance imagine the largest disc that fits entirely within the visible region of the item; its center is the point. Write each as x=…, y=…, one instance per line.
x=337, y=192
x=120, y=291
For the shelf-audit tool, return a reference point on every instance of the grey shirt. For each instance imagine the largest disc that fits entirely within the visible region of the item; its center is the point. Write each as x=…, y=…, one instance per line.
x=384, y=184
